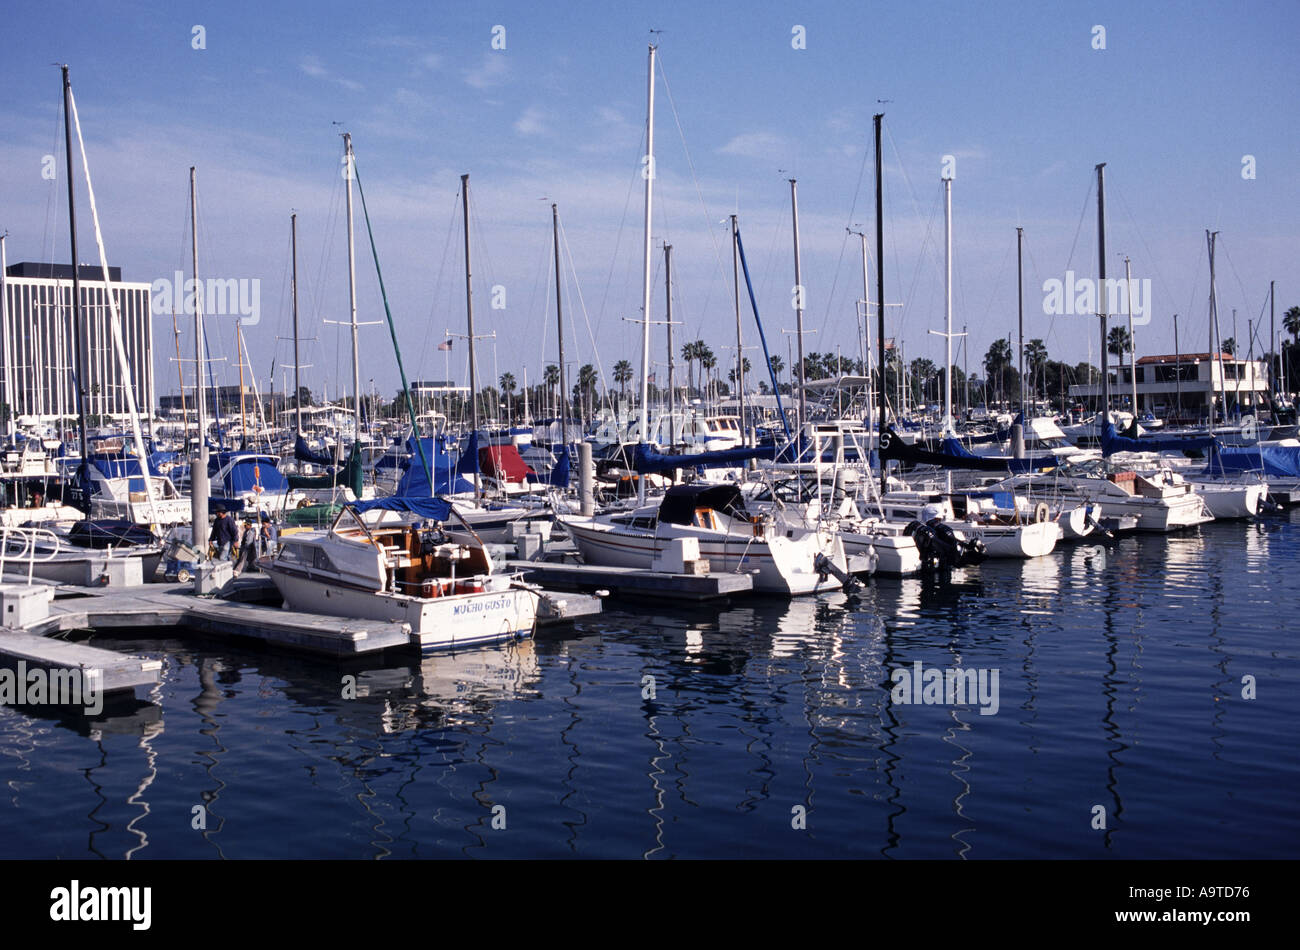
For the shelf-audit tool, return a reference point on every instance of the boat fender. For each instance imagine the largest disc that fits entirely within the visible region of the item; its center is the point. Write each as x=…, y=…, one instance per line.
x=1040, y=512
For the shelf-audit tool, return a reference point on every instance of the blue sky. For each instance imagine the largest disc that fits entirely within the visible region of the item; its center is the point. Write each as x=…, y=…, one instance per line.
x=1017, y=93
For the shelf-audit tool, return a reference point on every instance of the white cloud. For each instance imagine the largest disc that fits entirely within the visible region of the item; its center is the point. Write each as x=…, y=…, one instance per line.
x=756, y=145
x=493, y=72
x=532, y=122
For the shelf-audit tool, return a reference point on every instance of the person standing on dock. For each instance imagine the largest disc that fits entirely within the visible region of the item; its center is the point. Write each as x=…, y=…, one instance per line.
x=224, y=534
x=247, y=548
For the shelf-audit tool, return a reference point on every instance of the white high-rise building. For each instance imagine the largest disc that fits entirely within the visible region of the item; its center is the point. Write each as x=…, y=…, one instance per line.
x=39, y=359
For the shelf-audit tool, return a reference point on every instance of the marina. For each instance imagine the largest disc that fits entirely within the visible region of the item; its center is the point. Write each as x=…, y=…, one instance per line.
x=720, y=438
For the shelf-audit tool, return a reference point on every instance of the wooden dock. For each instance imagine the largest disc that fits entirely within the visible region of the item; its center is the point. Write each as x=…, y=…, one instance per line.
x=633, y=582
x=252, y=611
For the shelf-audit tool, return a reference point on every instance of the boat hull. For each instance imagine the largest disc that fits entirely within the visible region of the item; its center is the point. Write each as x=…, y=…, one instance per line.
x=448, y=622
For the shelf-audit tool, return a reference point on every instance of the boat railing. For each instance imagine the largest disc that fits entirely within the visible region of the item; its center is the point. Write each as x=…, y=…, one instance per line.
x=26, y=539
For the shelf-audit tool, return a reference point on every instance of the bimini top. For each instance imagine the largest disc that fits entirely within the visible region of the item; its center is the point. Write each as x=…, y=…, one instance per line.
x=680, y=502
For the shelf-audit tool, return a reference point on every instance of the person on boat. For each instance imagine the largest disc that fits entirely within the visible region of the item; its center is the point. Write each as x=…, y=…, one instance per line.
x=224, y=534
x=38, y=499
x=247, y=547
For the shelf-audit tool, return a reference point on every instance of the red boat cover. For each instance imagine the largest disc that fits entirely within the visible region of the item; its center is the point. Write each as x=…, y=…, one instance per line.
x=503, y=463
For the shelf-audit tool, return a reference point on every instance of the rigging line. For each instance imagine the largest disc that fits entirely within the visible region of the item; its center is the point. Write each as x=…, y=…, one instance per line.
x=717, y=253
x=52, y=202
x=1244, y=297
x=1078, y=228
x=577, y=287
x=424, y=350
x=618, y=239
x=392, y=330
x=1164, y=285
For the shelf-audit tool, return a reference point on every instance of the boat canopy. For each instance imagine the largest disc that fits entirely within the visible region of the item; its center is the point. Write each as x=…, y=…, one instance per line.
x=504, y=463
x=304, y=453
x=414, y=482
x=1279, y=461
x=1112, y=442
x=242, y=472
x=680, y=502
x=647, y=461
x=436, y=509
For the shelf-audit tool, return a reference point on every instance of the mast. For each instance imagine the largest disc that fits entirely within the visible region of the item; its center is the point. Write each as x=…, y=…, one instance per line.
x=668, y=320
x=559, y=323
x=469, y=319
x=648, y=172
x=1216, y=350
x=798, y=309
x=947, y=303
x=352, y=292
x=1101, y=295
x=199, y=466
x=880, y=293
x=297, y=401
x=1178, y=371
x=1272, y=402
x=864, y=341
x=1132, y=338
x=239, y=355
x=78, y=331
x=1020, y=308
x=740, y=352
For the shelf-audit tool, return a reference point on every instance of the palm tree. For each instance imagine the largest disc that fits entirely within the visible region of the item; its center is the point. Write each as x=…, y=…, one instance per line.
x=691, y=353
x=1035, y=359
x=707, y=360
x=507, y=382
x=551, y=377
x=732, y=375
x=1230, y=346
x=1291, y=323
x=586, y=388
x=622, y=376
x=1118, y=341
x=777, y=365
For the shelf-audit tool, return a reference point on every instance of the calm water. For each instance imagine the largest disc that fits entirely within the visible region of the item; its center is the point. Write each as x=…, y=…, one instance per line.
x=1120, y=686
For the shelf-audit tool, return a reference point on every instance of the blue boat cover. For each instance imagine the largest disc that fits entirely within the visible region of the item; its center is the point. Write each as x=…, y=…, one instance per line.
x=436, y=509
x=1112, y=442
x=304, y=453
x=647, y=461
x=414, y=482
x=1280, y=461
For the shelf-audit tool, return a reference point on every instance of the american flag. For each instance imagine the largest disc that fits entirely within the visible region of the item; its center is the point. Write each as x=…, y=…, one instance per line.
x=445, y=346
x=650, y=378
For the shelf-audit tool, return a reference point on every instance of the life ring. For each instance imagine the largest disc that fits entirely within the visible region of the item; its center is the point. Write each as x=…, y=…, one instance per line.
x=1041, y=513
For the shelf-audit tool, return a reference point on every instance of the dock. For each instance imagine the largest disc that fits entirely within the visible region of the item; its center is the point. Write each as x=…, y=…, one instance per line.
x=633, y=582
x=34, y=616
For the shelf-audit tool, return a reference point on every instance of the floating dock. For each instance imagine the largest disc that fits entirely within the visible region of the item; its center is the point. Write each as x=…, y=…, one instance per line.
x=633, y=582
x=33, y=616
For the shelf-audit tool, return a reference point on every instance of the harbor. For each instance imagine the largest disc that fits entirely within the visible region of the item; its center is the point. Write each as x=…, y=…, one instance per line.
x=784, y=436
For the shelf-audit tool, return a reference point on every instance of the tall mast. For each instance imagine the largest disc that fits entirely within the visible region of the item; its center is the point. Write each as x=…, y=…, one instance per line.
x=740, y=352
x=198, y=467
x=297, y=400
x=239, y=355
x=352, y=290
x=1101, y=294
x=648, y=172
x=1020, y=304
x=559, y=323
x=7, y=337
x=78, y=331
x=880, y=292
x=1178, y=370
x=668, y=320
x=1132, y=338
x=798, y=312
x=469, y=319
x=1216, y=351
x=1272, y=402
x=947, y=302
